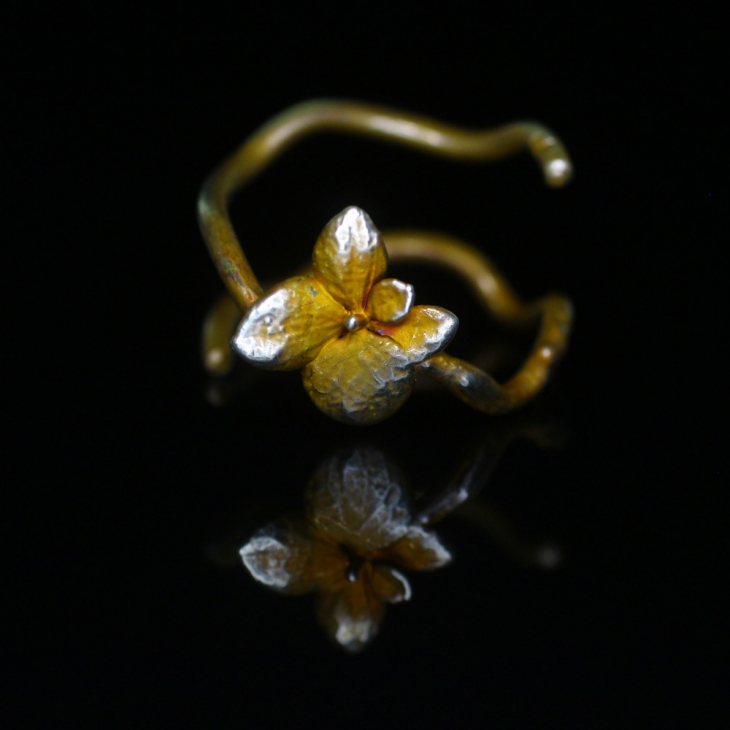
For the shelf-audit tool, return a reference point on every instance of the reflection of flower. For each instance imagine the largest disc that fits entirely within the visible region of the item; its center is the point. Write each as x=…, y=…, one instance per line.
x=357, y=528
x=357, y=335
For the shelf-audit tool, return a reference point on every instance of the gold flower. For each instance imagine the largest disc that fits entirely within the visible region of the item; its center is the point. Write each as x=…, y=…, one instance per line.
x=356, y=334
x=357, y=530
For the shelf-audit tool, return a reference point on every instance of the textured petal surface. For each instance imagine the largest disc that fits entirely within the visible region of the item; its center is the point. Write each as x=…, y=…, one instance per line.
x=287, y=328
x=359, y=378
x=418, y=549
x=390, y=300
x=349, y=257
x=358, y=498
x=286, y=556
x=351, y=616
x=424, y=332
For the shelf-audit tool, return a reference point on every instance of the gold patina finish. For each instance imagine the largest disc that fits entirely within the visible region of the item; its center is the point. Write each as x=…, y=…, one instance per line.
x=553, y=313
x=356, y=334
x=358, y=341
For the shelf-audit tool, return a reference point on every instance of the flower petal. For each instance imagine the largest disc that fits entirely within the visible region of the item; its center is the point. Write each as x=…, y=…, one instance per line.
x=390, y=300
x=359, y=499
x=359, y=378
x=349, y=257
x=287, y=328
x=424, y=332
x=287, y=556
x=418, y=549
x=351, y=616
x=390, y=584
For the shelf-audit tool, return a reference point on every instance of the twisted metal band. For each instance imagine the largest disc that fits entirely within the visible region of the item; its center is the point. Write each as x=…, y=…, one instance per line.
x=469, y=383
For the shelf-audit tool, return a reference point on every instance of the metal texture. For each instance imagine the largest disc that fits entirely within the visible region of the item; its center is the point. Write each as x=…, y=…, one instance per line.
x=356, y=335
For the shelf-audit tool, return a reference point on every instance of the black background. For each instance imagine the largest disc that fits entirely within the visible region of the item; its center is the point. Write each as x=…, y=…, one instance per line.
x=128, y=474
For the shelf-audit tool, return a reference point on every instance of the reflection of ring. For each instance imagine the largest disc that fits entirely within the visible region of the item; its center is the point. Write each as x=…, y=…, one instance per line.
x=356, y=334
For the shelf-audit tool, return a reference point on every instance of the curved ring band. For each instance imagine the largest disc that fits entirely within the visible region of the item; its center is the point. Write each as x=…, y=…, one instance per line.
x=355, y=333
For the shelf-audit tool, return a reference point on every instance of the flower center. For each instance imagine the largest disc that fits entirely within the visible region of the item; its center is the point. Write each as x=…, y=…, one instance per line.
x=355, y=322
x=357, y=563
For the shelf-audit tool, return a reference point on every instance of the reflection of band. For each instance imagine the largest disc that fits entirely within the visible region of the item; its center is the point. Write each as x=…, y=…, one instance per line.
x=265, y=145
x=470, y=384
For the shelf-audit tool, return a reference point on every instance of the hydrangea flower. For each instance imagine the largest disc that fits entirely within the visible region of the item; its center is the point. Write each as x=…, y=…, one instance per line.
x=356, y=334
x=356, y=532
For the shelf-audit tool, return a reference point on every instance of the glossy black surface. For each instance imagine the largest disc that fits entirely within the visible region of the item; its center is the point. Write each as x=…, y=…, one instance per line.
x=129, y=478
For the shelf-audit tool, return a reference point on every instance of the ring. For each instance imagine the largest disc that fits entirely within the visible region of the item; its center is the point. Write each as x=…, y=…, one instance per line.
x=356, y=334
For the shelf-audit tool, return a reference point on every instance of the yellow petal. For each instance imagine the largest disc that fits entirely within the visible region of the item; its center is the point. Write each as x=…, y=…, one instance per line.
x=287, y=555
x=418, y=549
x=358, y=499
x=351, y=616
x=390, y=584
x=359, y=378
x=288, y=327
x=423, y=333
x=349, y=257
x=390, y=300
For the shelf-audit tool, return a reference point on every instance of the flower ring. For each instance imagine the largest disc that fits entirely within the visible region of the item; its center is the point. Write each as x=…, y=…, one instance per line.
x=356, y=334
